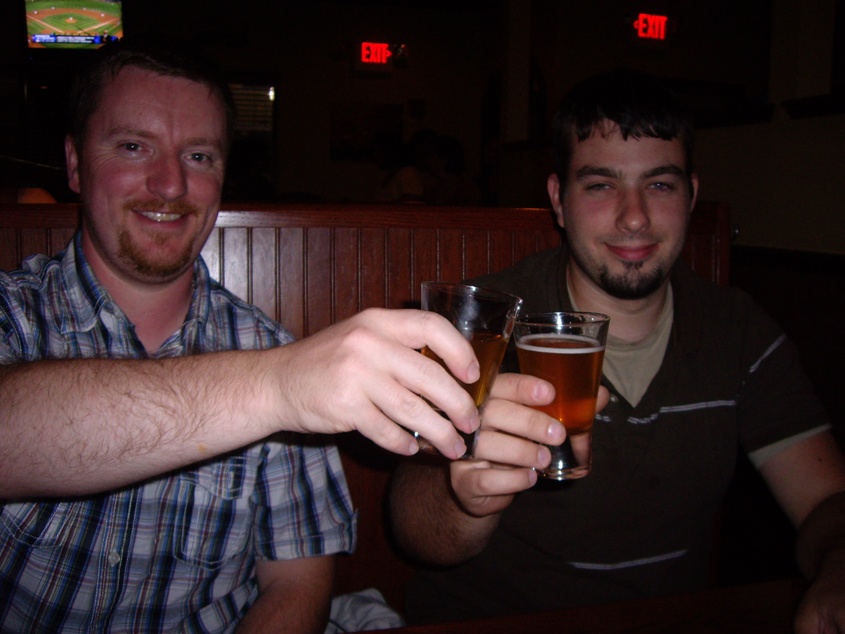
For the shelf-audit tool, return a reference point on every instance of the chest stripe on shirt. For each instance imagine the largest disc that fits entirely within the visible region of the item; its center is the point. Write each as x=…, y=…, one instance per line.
x=672, y=409
x=633, y=563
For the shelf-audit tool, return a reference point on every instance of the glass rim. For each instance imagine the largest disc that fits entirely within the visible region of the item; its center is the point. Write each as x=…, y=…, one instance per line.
x=460, y=288
x=553, y=317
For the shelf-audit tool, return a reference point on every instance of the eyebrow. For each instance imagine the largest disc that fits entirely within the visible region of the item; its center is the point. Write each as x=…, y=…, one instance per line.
x=120, y=130
x=593, y=170
x=671, y=169
x=145, y=134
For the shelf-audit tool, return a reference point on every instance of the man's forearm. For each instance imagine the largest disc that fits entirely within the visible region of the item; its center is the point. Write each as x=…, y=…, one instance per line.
x=821, y=534
x=71, y=427
x=286, y=612
x=429, y=523
x=82, y=426
x=294, y=596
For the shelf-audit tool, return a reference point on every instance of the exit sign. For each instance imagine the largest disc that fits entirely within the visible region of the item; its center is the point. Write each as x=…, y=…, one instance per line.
x=377, y=53
x=648, y=26
x=379, y=57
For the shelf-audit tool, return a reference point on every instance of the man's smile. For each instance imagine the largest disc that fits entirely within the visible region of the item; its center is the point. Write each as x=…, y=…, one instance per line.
x=161, y=213
x=632, y=253
x=159, y=216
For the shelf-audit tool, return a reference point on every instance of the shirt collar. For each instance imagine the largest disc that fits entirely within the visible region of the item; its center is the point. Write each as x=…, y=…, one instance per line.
x=88, y=299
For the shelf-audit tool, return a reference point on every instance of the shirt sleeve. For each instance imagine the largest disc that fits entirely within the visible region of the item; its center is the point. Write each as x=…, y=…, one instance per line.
x=760, y=456
x=10, y=337
x=302, y=502
x=777, y=401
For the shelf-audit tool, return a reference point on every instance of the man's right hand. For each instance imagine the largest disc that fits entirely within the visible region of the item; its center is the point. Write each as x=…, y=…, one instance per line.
x=507, y=452
x=444, y=513
x=510, y=446
x=366, y=374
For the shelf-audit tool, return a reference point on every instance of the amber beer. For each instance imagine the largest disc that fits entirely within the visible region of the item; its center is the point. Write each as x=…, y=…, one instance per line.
x=573, y=365
x=485, y=318
x=567, y=350
x=489, y=349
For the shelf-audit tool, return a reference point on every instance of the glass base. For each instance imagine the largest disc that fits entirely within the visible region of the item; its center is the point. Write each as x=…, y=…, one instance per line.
x=565, y=474
x=427, y=447
x=570, y=460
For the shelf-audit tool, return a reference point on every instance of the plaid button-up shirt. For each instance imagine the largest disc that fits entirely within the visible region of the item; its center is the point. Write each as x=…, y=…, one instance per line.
x=176, y=553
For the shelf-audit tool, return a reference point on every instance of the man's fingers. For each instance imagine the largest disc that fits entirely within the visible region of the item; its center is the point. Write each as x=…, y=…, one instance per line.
x=367, y=374
x=419, y=328
x=506, y=449
x=523, y=388
x=419, y=416
x=603, y=398
x=484, y=489
x=522, y=421
x=421, y=375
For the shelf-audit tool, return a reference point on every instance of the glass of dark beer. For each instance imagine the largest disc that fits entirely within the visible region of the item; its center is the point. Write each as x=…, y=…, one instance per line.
x=485, y=318
x=567, y=350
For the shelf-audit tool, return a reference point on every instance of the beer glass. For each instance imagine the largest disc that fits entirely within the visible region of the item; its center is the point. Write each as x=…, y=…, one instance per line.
x=485, y=318
x=567, y=350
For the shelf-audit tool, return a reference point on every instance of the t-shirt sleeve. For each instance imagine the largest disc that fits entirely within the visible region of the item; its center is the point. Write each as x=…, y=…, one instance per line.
x=777, y=401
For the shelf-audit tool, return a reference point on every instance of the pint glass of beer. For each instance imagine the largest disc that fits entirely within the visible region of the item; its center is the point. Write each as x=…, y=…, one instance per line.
x=485, y=318
x=567, y=350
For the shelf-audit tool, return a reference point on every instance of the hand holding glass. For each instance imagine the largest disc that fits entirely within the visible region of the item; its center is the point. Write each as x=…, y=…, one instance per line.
x=485, y=318
x=567, y=350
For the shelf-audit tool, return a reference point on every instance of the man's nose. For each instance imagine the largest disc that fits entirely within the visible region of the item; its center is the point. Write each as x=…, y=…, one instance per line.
x=633, y=213
x=167, y=178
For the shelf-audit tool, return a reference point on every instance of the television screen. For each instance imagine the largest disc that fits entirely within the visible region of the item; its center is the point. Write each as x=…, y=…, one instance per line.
x=72, y=24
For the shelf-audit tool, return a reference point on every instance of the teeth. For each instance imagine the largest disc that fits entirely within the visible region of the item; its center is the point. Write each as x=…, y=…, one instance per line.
x=157, y=216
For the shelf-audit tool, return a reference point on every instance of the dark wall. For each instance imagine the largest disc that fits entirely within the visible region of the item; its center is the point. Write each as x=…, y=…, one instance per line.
x=455, y=79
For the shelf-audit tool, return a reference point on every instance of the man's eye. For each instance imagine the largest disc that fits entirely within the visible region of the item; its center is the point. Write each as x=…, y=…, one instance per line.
x=663, y=186
x=131, y=146
x=596, y=187
x=199, y=157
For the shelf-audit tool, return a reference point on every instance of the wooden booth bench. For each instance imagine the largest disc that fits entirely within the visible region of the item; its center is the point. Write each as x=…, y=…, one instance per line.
x=309, y=266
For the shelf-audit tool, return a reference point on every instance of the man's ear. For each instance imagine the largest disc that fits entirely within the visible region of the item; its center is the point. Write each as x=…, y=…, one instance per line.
x=72, y=161
x=694, y=184
x=553, y=187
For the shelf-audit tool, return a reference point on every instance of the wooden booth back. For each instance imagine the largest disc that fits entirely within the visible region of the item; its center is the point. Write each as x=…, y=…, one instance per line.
x=309, y=266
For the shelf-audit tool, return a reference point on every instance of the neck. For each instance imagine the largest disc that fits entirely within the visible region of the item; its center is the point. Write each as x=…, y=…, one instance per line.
x=631, y=320
x=156, y=310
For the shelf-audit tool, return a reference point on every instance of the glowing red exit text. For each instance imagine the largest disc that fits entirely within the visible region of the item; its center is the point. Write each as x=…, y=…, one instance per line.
x=651, y=27
x=375, y=53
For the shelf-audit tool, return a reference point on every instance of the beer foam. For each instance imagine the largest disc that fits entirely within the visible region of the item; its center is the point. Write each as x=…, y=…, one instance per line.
x=525, y=344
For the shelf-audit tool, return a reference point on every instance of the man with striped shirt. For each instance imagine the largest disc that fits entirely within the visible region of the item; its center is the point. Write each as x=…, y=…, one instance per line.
x=695, y=373
x=154, y=473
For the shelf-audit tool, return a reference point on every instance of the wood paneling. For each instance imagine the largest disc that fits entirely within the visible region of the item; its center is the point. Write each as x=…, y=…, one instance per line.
x=309, y=266
x=312, y=267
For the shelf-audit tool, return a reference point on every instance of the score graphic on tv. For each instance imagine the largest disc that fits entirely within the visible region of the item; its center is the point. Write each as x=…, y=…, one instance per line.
x=72, y=24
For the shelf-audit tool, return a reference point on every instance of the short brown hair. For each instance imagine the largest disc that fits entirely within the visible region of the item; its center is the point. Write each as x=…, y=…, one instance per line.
x=639, y=104
x=162, y=57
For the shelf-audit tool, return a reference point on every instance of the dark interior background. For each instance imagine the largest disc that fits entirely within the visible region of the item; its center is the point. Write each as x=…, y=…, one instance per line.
x=764, y=78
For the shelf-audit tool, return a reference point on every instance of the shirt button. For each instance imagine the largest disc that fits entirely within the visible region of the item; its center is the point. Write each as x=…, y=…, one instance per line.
x=114, y=558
